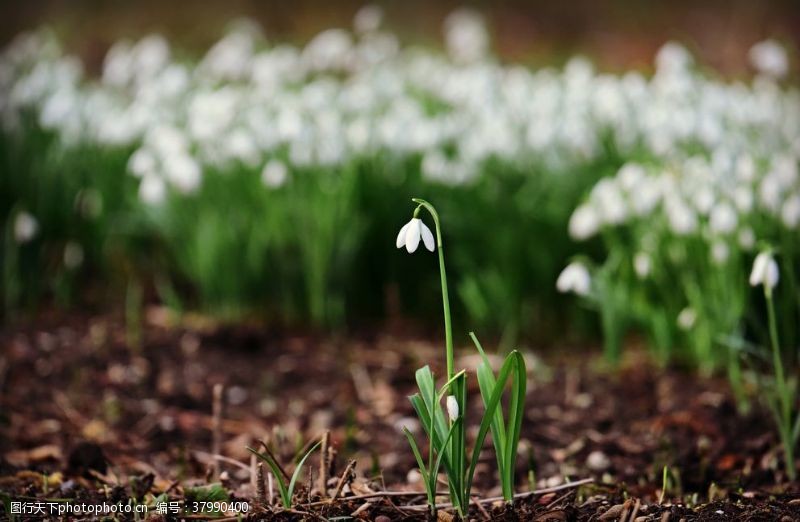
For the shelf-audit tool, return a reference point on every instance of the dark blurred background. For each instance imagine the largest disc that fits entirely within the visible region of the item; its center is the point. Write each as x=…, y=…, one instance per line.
x=616, y=34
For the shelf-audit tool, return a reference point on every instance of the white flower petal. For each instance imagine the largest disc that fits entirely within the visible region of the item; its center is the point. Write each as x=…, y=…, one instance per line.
x=759, y=265
x=452, y=408
x=427, y=237
x=413, y=235
x=401, y=236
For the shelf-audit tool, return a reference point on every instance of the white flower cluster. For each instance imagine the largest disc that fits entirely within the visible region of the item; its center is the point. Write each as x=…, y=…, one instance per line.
x=717, y=198
x=346, y=94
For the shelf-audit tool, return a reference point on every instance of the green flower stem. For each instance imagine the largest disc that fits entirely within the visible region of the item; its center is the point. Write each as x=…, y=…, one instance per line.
x=448, y=329
x=785, y=411
x=456, y=448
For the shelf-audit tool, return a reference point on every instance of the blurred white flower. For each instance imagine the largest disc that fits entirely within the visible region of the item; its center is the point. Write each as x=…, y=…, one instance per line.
x=747, y=238
x=682, y=219
x=723, y=219
x=642, y=264
x=183, y=172
x=452, y=408
x=466, y=36
x=765, y=271
x=152, y=190
x=575, y=278
x=25, y=227
x=274, y=174
x=770, y=58
x=672, y=57
x=720, y=252
x=790, y=212
x=584, y=222
x=368, y=19
x=73, y=255
x=686, y=318
x=411, y=233
x=141, y=163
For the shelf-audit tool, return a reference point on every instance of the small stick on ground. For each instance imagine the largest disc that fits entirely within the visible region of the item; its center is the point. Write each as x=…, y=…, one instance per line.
x=635, y=510
x=216, y=427
x=324, y=465
x=261, y=494
x=344, y=479
x=272, y=456
x=486, y=515
x=363, y=507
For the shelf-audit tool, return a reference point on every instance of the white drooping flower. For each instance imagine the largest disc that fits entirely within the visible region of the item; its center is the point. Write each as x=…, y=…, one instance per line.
x=25, y=227
x=747, y=238
x=686, y=318
x=368, y=19
x=720, y=252
x=274, y=174
x=642, y=264
x=790, y=212
x=765, y=271
x=152, y=190
x=452, y=407
x=584, y=222
x=466, y=35
x=574, y=278
x=769, y=57
x=411, y=233
x=723, y=219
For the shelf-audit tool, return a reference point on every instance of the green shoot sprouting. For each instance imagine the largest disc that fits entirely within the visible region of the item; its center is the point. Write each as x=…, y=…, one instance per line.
x=286, y=489
x=505, y=436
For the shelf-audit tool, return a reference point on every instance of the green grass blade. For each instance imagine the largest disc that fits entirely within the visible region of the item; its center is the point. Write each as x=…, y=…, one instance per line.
x=515, y=415
x=417, y=456
x=435, y=469
x=297, y=469
x=276, y=472
x=486, y=384
x=488, y=416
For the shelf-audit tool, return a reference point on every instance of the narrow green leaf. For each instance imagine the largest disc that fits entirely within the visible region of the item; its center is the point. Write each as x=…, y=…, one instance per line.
x=297, y=469
x=486, y=384
x=488, y=416
x=435, y=469
x=276, y=472
x=417, y=456
x=515, y=415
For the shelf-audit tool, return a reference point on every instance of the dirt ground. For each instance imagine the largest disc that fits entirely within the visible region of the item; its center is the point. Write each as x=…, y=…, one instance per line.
x=92, y=410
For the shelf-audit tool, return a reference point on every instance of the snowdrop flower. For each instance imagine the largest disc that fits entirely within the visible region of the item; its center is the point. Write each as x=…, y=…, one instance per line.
x=574, y=278
x=583, y=223
x=723, y=219
x=25, y=227
x=769, y=57
x=152, y=190
x=642, y=265
x=184, y=172
x=747, y=238
x=368, y=19
x=466, y=36
x=720, y=252
x=274, y=174
x=790, y=213
x=411, y=233
x=73, y=255
x=686, y=319
x=452, y=408
x=765, y=271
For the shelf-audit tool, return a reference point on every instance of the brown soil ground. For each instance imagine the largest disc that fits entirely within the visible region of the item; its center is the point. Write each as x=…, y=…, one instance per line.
x=85, y=416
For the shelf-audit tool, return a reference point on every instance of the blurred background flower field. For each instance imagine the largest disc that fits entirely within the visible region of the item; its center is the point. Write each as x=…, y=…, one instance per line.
x=258, y=177
x=252, y=162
